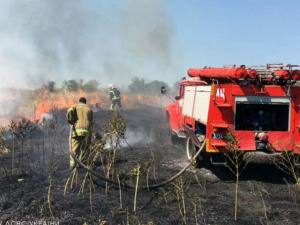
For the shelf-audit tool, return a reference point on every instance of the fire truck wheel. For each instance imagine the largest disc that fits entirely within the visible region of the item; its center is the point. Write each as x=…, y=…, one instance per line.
x=191, y=150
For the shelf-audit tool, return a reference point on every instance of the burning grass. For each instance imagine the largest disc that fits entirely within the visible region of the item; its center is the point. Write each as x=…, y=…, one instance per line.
x=38, y=104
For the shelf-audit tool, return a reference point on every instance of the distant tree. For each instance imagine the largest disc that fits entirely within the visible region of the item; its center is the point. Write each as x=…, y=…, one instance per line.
x=51, y=86
x=175, y=87
x=137, y=85
x=91, y=86
x=154, y=87
x=70, y=85
x=80, y=84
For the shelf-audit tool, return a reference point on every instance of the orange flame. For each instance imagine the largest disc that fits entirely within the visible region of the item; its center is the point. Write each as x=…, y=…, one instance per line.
x=64, y=100
x=35, y=104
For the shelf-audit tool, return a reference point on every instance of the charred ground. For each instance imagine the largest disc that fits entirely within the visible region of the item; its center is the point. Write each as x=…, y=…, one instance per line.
x=200, y=196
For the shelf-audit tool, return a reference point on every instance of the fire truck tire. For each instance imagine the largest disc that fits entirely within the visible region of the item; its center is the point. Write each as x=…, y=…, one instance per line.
x=191, y=150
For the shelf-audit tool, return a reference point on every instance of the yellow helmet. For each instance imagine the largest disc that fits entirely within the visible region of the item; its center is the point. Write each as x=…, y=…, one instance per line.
x=111, y=86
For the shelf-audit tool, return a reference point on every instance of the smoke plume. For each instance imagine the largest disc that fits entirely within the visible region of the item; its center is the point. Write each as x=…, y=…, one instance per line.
x=110, y=41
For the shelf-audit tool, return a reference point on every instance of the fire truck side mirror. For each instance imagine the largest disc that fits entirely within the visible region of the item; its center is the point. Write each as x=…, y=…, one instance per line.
x=163, y=90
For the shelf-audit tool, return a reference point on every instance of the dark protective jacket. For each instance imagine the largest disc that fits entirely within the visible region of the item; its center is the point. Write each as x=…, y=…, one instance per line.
x=81, y=116
x=114, y=94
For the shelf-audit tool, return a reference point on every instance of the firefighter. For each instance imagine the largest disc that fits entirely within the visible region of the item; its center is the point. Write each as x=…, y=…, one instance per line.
x=80, y=116
x=115, y=97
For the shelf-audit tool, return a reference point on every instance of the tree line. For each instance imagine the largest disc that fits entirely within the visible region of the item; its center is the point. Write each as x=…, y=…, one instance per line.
x=137, y=85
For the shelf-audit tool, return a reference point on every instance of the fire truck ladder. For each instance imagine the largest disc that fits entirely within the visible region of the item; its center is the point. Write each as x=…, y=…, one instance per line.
x=268, y=66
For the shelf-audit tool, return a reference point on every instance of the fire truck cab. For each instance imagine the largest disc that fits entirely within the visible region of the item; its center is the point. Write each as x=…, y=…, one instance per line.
x=259, y=104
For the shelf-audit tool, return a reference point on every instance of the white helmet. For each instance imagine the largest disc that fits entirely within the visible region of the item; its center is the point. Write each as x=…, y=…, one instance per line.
x=111, y=86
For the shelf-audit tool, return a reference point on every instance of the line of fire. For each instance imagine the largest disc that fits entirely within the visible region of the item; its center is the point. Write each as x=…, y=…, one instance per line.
x=46, y=103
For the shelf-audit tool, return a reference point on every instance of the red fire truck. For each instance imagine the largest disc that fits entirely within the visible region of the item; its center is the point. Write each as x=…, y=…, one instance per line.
x=259, y=104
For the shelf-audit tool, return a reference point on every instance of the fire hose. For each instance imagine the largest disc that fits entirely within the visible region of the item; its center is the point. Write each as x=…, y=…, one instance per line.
x=96, y=174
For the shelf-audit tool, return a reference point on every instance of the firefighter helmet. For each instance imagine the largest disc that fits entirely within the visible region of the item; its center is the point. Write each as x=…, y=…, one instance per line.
x=111, y=86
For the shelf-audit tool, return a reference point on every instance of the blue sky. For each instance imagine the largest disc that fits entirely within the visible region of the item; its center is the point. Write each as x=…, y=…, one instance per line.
x=214, y=33
x=113, y=41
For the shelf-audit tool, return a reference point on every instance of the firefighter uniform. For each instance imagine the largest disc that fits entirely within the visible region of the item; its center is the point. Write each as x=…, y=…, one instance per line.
x=115, y=97
x=81, y=117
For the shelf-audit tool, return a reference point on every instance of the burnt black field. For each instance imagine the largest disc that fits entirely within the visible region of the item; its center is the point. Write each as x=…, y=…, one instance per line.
x=206, y=195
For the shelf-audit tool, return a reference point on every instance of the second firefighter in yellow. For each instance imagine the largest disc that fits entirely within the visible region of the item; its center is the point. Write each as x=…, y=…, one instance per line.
x=115, y=97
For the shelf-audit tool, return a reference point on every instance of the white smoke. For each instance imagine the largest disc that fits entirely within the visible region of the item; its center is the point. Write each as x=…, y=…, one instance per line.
x=137, y=136
x=133, y=137
x=110, y=41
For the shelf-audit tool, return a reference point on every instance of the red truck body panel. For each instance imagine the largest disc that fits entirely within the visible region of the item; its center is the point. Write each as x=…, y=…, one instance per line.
x=230, y=105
